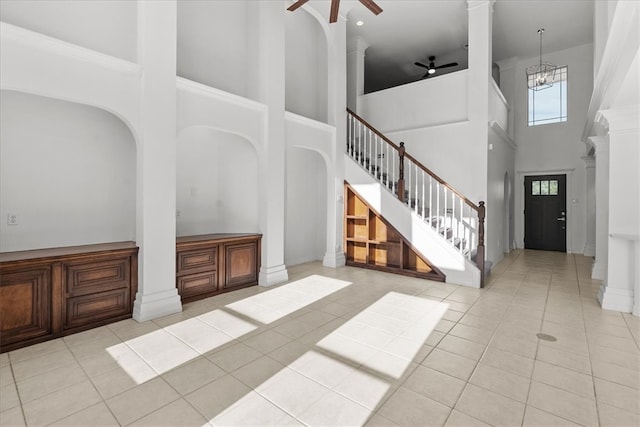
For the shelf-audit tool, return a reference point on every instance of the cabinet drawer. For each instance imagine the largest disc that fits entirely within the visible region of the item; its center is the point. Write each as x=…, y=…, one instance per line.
x=197, y=260
x=197, y=284
x=241, y=266
x=84, y=278
x=25, y=304
x=89, y=309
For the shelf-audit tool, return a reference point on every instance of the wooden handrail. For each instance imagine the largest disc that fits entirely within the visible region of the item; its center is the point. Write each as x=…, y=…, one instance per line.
x=480, y=208
x=374, y=130
x=417, y=163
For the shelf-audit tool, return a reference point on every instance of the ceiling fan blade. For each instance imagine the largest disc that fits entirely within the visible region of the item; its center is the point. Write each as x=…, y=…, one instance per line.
x=335, y=6
x=372, y=6
x=419, y=64
x=296, y=5
x=451, y=64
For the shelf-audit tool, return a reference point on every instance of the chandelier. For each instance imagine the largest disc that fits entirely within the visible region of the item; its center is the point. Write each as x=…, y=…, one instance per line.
x=541, y=76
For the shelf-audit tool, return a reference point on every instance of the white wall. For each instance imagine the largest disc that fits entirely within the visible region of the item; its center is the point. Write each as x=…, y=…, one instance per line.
x=428, y=102
x=306, y=66
x=217, y=183
x=68, y=172
x=558, y=146
x=213, y=44
x=306, y=211
x=445, y=151
x=106, y=26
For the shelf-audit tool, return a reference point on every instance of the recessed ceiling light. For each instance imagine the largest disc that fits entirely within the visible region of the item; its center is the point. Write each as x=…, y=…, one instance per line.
x=360, y=23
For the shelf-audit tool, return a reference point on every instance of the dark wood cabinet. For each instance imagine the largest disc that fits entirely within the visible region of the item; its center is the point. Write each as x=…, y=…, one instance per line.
x=48, y=293
x=210, y=264
x=371, y=242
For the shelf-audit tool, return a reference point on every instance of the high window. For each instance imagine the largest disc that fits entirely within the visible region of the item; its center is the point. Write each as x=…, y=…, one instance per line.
x=549, y=105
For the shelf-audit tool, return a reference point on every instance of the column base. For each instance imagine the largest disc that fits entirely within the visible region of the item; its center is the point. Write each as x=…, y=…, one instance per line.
x=615, y=299
x=599, y=271
x=270, y=276
x=334, y=259
x=152, y=306
x=589, y=249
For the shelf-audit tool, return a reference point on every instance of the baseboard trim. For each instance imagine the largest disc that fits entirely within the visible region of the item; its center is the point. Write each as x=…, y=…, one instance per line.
x=153, y=306
x=334, y=259
x=615, y=299
x=270, y=276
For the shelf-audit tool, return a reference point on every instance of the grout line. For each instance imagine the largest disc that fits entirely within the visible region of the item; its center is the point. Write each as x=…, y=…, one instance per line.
x=593, y=380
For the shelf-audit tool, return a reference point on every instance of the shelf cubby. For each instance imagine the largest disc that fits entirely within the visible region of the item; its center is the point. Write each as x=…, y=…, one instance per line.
x=371, y=242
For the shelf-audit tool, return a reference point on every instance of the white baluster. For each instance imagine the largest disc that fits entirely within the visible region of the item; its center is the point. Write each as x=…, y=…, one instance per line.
x=416, y=193
x=424, y=179
x=453, y=217
x=438, y=206
x=445, y=213
x=374, y=160
x=430, y=201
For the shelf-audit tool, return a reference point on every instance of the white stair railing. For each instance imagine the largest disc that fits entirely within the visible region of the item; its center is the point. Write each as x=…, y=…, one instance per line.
x=454, y=217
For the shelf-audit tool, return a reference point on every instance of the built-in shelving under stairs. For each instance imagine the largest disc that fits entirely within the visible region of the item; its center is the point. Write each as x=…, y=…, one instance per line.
x=371, y=242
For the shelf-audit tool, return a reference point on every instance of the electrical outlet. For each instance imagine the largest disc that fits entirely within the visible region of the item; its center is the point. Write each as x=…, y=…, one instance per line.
x=12, y=219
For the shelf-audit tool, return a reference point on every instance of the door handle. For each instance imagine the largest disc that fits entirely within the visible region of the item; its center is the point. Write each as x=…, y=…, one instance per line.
x=561, y=219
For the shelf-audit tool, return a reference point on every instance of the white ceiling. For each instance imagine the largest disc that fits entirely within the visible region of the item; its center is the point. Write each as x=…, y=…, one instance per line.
x=411, y=30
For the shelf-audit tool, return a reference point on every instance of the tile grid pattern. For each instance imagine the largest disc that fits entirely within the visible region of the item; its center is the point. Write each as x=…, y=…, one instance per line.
x=481, y=365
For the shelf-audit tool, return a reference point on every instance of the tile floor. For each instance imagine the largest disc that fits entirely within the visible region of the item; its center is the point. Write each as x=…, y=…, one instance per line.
x=349, y=347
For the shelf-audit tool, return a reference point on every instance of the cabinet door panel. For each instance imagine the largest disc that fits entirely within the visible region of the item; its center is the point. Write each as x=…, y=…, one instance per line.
x=240, y=265
x=25, y=301
x=87, y=309
x=99, y=276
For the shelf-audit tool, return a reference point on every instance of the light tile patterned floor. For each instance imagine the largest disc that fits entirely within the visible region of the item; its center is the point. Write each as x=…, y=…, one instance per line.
x=349, y=347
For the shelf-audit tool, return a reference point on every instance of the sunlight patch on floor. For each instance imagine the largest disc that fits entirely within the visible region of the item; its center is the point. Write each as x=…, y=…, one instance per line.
x=344, y=381
x=272, y=305
x=388, y=334
x=147, y=356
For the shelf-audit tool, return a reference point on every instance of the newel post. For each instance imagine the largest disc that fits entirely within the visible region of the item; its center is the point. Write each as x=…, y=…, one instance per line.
x=480, y=253
x=401, y=173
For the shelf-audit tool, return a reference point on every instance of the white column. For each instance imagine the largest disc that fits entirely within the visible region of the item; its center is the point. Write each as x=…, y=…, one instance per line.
x=156, y=162
x=271, y=92
x=590, y=175
x=601, y=143
x=617, y=292
x=337, y=116
x=355, y=73
x=479, y=79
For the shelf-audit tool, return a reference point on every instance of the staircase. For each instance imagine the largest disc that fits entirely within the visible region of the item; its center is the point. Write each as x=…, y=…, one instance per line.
x=453, y=226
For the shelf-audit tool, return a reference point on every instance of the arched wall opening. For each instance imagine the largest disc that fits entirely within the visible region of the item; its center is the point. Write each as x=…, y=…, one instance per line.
x=67, y=171
x=216, y=183
x=507, y=224
x=306, y=211
x=306, y=66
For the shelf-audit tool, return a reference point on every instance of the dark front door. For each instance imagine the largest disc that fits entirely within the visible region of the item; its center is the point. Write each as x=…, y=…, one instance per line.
x=545, y=212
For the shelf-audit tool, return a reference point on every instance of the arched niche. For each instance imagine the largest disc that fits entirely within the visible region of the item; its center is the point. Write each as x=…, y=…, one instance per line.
x=306, y=66
x=306, y=206
x=67, y=170
x=216, y=183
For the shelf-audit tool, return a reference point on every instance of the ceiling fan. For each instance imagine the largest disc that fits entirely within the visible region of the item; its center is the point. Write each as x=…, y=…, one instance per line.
x=335, y=5
x=431, y=68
